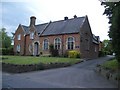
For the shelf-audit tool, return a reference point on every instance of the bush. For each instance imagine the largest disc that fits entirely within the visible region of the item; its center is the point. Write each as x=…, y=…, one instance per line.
x=7, y=51
x=101, y=53
x=73, y=54
x=54, y=52
x=66, y=54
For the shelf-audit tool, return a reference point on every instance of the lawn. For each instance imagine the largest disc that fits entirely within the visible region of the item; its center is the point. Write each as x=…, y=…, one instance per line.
x=35, y=60
x=112, y=64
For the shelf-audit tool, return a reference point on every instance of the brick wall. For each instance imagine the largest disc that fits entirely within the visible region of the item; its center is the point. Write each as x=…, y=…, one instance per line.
x=19, y=42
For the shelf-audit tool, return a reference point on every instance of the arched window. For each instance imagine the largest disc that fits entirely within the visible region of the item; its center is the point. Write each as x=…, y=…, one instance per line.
x=70, y=43
x=30, y=48
x=57, y=43
x=45, y=44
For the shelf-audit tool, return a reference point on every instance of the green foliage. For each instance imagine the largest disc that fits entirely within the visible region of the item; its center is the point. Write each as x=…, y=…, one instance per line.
x=101, y=53
x=112, y=10
x=107, y=47
x=7, y=51
x=73, y=54
x=112, y=64
x=54, y=52
x=5, y=39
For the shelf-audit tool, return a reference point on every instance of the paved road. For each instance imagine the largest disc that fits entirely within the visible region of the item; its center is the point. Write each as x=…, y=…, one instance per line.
x=77, y=76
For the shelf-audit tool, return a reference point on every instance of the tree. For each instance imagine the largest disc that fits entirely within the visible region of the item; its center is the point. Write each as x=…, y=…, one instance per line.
x=112, y=10
x=107, y=47
x=5, y=39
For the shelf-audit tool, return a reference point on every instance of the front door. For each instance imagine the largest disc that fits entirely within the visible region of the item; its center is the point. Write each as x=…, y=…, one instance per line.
x=36, y=48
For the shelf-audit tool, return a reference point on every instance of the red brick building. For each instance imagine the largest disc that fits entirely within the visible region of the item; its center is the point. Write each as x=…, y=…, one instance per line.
x=67, y=34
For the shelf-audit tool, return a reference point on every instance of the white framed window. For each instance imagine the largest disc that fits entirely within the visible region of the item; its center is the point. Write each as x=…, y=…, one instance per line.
x=32, y=35
x=30, y=48
x=19, y=37
x=70, y=43
x=57, y=43
x=18, y=48
x=45, y=44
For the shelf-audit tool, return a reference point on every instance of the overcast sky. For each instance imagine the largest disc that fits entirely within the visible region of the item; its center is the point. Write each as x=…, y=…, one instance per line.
x=15, y=12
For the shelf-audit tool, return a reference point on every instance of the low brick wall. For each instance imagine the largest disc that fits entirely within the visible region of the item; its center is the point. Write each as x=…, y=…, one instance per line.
x=12, y=68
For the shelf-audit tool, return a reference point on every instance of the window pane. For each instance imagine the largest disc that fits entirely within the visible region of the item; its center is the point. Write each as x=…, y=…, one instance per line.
x=70, y=43
x=19, y=37
x=57, y=43
x=32, y=35
x=45, y=44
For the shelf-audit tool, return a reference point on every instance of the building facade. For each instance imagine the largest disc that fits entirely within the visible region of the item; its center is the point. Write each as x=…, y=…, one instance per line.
x=65, y=35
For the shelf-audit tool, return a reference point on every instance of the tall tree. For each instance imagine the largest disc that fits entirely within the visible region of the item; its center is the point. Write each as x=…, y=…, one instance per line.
x=5, y=39
x=112, y=10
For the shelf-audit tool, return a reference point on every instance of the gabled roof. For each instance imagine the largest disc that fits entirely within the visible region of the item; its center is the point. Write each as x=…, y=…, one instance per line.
x=58, y=27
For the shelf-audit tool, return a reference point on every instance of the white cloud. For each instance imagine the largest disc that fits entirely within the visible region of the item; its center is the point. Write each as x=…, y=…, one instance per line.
x=46, y=10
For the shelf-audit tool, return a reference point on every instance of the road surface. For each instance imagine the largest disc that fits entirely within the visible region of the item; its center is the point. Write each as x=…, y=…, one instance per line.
x=81, y=75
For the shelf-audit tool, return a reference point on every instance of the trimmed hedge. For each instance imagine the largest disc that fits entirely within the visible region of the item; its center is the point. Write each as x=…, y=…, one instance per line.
x=73, y=54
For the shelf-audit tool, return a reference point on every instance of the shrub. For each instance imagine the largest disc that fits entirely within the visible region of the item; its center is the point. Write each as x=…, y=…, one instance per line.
x=73, y=54
x=66, y=54
x=7, y=51
x=54, y=52
x=101, y=53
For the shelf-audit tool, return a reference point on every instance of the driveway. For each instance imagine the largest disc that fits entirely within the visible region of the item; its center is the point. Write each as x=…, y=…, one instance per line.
x=81, y=75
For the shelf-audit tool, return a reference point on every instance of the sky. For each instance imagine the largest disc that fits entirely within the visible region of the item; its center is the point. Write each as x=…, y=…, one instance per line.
x=15, y=12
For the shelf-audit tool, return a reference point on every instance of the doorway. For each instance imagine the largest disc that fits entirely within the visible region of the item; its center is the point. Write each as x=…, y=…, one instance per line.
x=36, y=48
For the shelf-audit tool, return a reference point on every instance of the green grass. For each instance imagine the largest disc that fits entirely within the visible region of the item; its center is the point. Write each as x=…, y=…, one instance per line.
x=35, y=60
x=113, y=64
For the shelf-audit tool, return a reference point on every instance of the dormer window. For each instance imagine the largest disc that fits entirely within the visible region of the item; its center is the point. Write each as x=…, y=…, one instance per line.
x=32, y=35
x=19, y=37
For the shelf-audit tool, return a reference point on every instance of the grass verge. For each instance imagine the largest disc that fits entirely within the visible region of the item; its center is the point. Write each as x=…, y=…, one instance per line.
x=112, y=65
x=26, y=60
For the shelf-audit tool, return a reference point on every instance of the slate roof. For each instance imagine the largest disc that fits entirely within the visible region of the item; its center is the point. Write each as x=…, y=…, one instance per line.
x=58, y=27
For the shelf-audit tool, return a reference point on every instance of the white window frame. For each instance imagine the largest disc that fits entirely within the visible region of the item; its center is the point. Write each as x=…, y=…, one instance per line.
x=18, y=48
x=32, y=35
x=57, y=43
x=69, y=42
x=44, y=46
x=19, y=37
x=30, y=48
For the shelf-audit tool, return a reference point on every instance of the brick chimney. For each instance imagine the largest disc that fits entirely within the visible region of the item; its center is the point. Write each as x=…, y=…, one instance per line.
x=75, y=16
x=65, y=18
x=32, y=20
